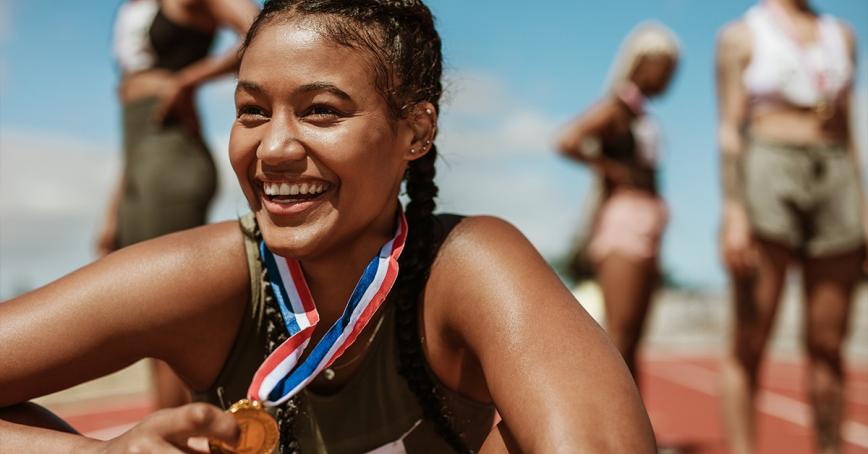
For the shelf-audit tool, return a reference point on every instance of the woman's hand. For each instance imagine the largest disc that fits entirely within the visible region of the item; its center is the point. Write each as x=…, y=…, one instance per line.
x=736, y=242
x=30, y=428
x=170, y=430
x=176, y=103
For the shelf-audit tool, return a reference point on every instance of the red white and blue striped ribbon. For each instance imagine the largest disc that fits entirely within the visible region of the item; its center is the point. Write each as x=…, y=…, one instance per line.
x=280, y=376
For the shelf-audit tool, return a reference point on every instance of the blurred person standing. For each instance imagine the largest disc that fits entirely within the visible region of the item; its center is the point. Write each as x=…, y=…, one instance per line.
x=169, y=177
x=792, y=195
x=626, y=215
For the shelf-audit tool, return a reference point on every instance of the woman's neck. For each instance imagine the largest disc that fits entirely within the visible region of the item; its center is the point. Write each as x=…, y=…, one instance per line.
x=794, y=7
x=333, y=276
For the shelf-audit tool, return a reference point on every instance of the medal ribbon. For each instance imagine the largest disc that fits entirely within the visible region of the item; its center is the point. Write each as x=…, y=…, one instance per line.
x=632, y=97
x=278, y=378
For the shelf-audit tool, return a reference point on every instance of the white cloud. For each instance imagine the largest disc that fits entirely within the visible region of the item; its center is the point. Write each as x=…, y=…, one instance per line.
x=481, y=117
x=50, y=175
x=498, y=159
x=53, y=193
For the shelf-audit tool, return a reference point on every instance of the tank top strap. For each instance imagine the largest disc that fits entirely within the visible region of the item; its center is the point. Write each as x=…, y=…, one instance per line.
x=246, y=354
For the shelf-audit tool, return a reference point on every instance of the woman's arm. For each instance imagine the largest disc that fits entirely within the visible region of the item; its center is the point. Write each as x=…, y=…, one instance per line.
x=733, y=55
x=500, y=323
x=165, y=431
x=580, y=140
x=178, y=298
x=577, y=141
x=235, y=14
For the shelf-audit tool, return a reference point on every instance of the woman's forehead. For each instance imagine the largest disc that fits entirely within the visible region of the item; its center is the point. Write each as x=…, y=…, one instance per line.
x=297, y=50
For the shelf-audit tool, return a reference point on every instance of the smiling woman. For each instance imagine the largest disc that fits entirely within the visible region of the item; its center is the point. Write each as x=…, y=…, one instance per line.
x=358, y=326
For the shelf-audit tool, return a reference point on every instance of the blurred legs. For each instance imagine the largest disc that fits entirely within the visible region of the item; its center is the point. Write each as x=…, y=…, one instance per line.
x=628, y=285
x=829, y=286
x=756, y=302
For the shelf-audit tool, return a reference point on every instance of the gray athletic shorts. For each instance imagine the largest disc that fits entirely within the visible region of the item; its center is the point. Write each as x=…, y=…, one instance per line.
x=806, y=197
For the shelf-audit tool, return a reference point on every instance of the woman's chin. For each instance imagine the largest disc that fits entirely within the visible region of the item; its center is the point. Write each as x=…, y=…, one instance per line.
x=296, y=240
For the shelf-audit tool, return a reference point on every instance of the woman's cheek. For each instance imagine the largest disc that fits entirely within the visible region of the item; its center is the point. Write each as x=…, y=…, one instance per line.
x=242, y=156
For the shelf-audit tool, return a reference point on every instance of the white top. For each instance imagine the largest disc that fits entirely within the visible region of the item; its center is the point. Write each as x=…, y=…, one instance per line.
x=132, y=42
x=783, y=70
x=647, y=134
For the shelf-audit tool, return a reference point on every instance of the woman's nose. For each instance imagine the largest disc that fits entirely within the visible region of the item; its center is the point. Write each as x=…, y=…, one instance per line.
x=281, y=143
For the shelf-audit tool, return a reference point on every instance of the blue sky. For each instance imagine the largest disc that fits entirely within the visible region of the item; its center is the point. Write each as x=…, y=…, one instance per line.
x=515, y=74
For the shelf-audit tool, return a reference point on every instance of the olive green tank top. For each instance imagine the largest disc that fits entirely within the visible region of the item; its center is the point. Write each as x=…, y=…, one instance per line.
x=374, y=410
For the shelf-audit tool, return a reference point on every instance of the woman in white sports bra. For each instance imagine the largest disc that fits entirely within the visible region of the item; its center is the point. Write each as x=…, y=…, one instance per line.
x=792, y=194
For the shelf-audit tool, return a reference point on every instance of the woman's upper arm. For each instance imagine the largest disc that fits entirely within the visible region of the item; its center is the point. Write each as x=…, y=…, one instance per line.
x=555, y=378
x=733, y=56
x=237, y=14
x=176, y=298
x=587, y=125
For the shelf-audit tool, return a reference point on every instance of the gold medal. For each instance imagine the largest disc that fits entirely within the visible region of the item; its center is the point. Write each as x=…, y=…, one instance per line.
x=259, y=432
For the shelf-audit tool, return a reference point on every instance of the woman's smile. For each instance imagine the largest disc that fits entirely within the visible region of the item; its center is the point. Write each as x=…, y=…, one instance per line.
x=291, y=196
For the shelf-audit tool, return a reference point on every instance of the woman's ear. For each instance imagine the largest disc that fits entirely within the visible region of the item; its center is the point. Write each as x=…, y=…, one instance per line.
x=422, y=120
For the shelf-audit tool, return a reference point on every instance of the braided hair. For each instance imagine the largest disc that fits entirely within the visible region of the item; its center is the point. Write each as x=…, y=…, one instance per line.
x=405, y=46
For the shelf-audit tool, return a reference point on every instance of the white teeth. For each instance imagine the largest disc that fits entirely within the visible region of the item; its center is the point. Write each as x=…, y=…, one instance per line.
x=273, y=189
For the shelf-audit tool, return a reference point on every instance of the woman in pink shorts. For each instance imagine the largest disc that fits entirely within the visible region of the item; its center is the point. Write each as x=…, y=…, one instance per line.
x=618, y=141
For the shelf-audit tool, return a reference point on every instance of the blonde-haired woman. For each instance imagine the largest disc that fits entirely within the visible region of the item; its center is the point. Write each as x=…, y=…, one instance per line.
x=791, y=194
x=619, y=142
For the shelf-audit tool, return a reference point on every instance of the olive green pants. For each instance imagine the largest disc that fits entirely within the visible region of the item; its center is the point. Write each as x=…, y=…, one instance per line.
x=169, y=177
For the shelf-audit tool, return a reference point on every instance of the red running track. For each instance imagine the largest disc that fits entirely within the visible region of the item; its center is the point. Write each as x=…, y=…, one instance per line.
x=680, y=393
x=681, y=396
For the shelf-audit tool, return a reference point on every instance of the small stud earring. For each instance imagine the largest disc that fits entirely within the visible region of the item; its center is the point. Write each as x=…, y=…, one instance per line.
x=428, y=142
x=412, y=151
x=428, y=111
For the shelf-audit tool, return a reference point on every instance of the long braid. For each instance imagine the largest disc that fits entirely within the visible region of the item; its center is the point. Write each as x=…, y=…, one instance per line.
x=401, y=36
x=419, y=250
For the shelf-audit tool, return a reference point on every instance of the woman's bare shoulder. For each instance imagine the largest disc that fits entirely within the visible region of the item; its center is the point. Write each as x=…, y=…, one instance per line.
x=735, y=37
x=489, y=262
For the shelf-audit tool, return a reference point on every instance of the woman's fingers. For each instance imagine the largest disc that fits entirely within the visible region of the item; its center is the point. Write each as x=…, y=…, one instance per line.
x=177, y=425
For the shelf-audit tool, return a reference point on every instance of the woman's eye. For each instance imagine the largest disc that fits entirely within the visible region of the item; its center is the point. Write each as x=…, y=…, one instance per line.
x=248, y=112
x=323, y=112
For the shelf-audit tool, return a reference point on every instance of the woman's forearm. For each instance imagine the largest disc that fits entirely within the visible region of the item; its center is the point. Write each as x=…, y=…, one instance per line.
x=731, y=146
x=29, y=428
x=209, y=68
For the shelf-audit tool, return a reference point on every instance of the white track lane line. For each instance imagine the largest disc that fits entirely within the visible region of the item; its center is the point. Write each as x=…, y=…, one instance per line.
x=786, y=408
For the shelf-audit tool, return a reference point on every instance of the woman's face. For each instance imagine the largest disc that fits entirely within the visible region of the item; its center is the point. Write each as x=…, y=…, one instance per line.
x=653, y=73
x=315, y=149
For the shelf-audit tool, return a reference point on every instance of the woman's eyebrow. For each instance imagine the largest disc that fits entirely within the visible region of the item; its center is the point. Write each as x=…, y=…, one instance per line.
x=244, y=85
x=324, y=86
